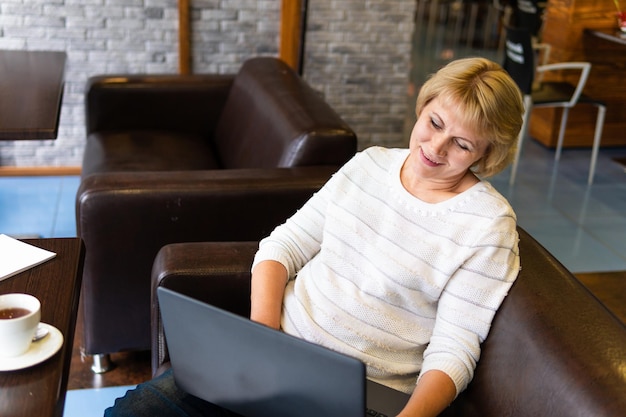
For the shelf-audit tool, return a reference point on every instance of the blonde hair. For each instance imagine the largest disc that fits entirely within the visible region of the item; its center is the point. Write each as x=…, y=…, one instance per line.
x=488, y=99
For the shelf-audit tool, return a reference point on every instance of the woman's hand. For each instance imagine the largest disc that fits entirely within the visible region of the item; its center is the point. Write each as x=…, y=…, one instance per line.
x=433, y=393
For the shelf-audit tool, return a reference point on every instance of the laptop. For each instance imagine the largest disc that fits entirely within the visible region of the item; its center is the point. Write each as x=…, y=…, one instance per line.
x=256, y=371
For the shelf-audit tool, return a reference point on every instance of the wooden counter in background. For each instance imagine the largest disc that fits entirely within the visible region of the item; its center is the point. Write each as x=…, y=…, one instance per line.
x=564, y=29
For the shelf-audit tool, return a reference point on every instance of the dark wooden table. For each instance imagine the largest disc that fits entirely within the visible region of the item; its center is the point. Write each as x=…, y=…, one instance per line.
x=40, y=390
x=31, y=90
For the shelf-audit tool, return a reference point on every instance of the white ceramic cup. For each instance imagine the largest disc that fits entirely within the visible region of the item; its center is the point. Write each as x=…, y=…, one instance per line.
x=16, y=333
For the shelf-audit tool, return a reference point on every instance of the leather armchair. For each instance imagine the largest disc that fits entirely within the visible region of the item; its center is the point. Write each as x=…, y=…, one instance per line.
x=553, y=350
x=173, y=158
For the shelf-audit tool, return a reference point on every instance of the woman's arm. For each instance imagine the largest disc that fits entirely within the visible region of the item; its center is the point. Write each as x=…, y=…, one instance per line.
x=433, y=393
x=281, y=255
x=465, y=311
x=266, y=296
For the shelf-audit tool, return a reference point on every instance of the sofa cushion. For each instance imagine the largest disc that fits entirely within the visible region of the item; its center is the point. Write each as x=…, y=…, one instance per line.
x=146, y=150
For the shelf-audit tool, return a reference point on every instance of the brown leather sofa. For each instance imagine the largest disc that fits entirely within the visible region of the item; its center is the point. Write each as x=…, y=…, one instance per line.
x=173, y=158
x=553, y=350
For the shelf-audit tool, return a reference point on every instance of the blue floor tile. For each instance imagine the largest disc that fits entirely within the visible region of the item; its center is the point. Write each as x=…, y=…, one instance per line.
x=583, y=226
x=65, y=220
x=92, y=402
x=38, y=206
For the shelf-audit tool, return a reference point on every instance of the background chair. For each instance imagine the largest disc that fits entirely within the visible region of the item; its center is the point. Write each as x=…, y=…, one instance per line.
x=176, y=158
x=533, y=362
x=519, y=61
x=529, y=14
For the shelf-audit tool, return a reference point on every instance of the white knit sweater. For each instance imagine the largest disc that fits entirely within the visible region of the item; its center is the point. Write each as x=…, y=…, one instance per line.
x=403, y=285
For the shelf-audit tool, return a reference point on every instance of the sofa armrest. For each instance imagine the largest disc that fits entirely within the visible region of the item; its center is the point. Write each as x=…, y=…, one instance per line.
x=216, y=273
x=212, y=205
x=125, y=218
x=553, y=349
x=186, y=103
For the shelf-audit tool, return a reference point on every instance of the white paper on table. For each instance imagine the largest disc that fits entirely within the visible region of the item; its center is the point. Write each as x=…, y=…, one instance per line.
x=17, y=256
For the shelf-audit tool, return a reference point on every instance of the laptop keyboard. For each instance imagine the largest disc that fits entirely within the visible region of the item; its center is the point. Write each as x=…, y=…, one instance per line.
x=373, y=413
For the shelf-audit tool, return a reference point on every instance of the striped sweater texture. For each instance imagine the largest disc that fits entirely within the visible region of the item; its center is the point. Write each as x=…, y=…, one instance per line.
x=403, y=285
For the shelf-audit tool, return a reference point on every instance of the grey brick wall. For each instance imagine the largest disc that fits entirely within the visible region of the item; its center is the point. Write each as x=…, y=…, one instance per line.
x=357, y=55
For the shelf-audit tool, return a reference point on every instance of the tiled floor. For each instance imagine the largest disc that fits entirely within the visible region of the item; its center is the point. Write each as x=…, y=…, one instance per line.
x=583, y=226
x=92, y=402
x=38, y=206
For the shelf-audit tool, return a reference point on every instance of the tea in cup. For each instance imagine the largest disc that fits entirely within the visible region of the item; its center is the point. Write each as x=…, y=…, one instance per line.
x=19, y=317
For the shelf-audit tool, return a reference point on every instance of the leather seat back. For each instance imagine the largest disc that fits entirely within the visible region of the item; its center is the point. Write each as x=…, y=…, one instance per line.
x=272, y=118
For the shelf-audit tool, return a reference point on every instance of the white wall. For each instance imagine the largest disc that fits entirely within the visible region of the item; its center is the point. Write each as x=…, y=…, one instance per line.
x=357, y=55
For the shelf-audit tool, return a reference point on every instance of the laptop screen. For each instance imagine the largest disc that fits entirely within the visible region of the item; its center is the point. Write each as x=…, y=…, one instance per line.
x=256, y=371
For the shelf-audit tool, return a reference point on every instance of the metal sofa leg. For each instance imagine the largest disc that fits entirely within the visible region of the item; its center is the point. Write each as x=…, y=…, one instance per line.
x=102, y=363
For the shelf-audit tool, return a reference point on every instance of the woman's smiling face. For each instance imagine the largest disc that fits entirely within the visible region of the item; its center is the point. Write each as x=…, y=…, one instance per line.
x=442, y=147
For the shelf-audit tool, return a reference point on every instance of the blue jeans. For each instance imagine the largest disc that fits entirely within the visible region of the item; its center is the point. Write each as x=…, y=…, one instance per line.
x=161, y=397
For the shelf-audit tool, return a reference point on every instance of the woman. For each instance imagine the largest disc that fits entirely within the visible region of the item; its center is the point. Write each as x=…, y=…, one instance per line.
x=403, y=257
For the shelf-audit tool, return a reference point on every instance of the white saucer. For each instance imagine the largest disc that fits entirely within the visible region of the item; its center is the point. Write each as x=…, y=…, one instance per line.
x=39, y=351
